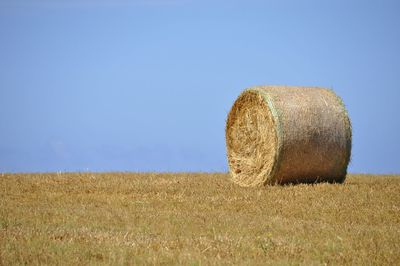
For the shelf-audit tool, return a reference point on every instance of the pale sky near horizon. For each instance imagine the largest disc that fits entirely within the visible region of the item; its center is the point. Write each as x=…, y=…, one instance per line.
x=147, y=85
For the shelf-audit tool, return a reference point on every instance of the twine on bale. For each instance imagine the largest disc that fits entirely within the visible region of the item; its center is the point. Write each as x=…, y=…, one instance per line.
x=281, y=134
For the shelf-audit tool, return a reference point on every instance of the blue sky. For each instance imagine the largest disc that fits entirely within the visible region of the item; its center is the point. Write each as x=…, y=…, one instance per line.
x=147, y=85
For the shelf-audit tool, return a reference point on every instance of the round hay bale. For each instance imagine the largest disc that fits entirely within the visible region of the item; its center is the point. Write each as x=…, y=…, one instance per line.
x=281, y=134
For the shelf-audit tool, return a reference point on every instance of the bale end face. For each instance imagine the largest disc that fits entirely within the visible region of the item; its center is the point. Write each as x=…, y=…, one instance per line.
x=251, y=140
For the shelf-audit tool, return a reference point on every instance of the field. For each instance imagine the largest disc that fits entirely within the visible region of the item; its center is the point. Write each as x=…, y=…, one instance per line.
x=196, y=219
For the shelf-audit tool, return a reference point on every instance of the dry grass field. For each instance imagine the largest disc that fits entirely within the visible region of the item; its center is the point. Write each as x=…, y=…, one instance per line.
x=196, y=219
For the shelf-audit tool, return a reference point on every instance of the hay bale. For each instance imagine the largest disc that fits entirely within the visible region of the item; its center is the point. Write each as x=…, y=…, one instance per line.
x=280, y=134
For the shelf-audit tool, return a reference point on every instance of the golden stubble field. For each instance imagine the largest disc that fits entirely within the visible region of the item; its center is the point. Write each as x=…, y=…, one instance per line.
x=196, y=219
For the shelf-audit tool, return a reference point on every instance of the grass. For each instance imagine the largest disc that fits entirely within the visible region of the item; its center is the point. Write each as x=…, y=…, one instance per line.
x=196, y=219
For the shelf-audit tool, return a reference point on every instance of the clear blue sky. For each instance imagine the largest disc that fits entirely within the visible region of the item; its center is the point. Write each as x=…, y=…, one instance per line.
x=146, y=85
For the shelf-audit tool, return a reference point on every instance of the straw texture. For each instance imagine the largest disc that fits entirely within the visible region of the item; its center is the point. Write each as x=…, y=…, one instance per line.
x=281, y=134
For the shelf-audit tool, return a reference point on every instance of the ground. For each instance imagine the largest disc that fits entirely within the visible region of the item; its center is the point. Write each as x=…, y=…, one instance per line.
x=196, y=219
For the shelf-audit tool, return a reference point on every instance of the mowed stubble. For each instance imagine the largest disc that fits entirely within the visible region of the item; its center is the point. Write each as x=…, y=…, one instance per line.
x=196, y=218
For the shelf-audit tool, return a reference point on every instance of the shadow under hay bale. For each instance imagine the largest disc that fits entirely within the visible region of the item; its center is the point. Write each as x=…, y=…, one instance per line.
x=281, y=134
